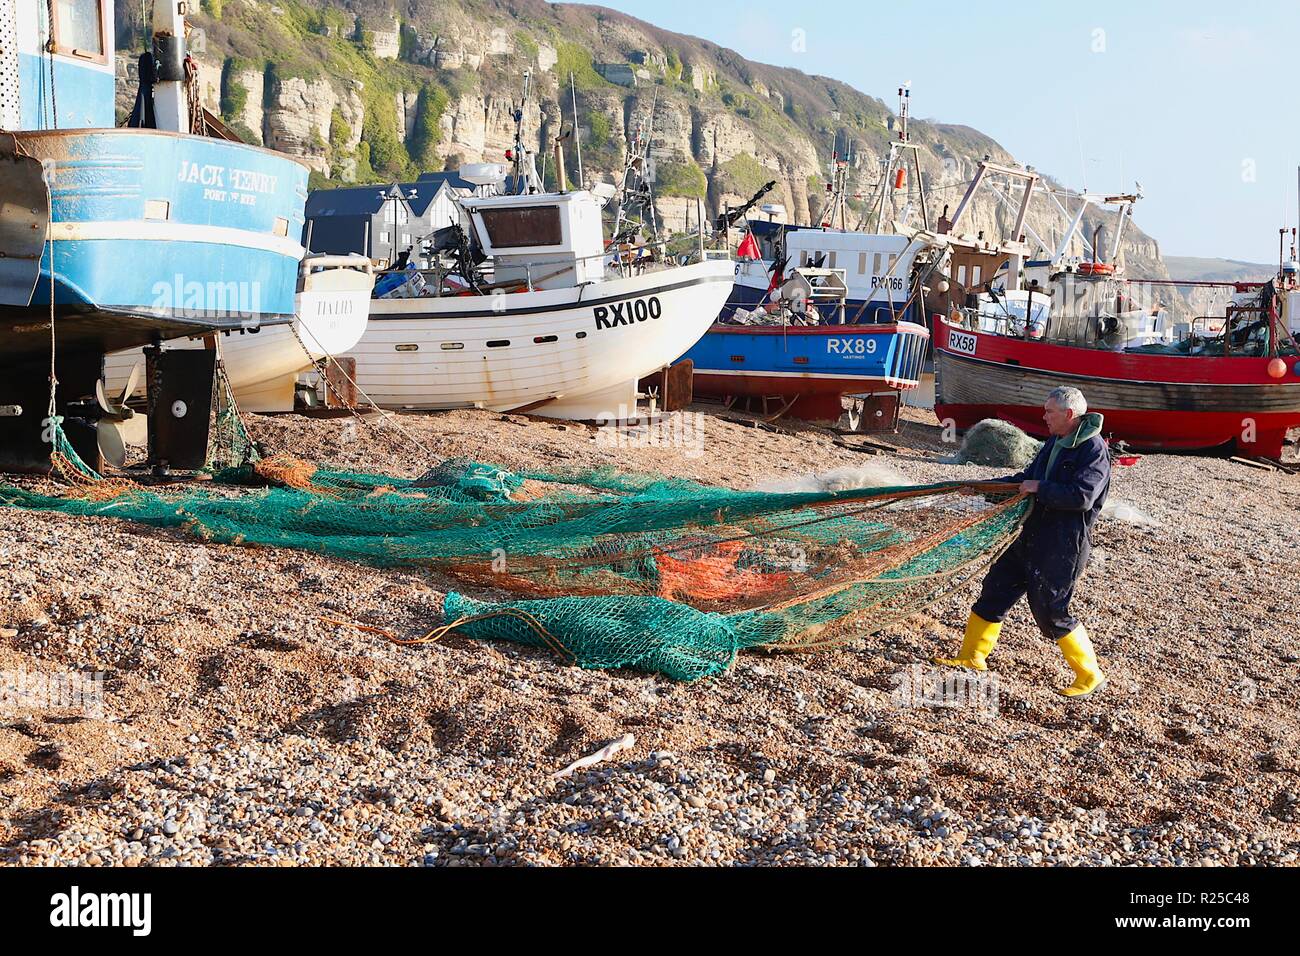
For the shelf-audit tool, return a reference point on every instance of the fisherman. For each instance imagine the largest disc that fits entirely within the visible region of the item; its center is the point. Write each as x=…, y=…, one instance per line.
x=1069, y=479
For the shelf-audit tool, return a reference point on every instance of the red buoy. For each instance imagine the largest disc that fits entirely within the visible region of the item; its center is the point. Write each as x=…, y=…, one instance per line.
x=1276, y=368
x=900, y=177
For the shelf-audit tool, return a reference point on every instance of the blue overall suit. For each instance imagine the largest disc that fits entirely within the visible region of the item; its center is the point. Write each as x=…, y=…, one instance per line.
x=1046, y=560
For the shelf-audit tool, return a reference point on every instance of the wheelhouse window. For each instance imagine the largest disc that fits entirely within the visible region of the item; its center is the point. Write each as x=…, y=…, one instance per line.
x=523, y=226
x=79, y=27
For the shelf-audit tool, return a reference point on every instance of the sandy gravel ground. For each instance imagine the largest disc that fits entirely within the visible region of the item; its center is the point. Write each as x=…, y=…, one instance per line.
x=239, y=728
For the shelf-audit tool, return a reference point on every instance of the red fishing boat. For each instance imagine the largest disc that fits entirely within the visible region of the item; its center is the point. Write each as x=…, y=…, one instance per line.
x=1150, y=401
x=1030, y=326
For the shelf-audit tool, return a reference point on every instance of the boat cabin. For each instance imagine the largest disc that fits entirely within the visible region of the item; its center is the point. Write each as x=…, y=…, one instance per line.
x=1005, y=312
x=542, y=240
x=80, y=58
x=877, y=268
x=1291, y=312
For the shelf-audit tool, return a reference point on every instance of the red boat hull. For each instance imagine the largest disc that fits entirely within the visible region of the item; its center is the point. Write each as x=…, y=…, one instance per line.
x=815, y=398
x=1149, y=401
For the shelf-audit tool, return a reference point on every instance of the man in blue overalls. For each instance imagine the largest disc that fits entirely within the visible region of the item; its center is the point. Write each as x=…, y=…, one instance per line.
x=1069, y=480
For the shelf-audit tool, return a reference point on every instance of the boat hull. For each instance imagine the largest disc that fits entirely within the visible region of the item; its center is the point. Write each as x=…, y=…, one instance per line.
x=262, y=365
x=1152, y=402
x=566, y=353
x=152, y=234
x=815, y=366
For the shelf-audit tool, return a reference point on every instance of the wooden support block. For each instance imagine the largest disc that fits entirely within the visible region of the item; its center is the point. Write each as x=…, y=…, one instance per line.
x=340, y=392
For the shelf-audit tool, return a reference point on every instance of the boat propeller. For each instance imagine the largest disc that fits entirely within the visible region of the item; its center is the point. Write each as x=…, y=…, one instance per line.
x=118, y=425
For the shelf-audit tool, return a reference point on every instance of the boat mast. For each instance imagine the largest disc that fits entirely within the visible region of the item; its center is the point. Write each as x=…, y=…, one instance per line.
x=649, y=208
x=1014, y=246
x=634, y=188
x=1072, y=229
x=170, y=99
x=835, y=201
x=1125, y=210
x=526, y=179
x=1125, y=203
x=625, y=183
x=895, y=169
x=900, y=179
x=844, y=184
x=577, y=138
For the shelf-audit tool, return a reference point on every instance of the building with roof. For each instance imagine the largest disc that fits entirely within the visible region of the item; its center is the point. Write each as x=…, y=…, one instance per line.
x=363, y=219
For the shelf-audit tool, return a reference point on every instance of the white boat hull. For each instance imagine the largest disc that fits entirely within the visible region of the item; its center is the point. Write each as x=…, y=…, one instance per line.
x=573, y=353
x=263, y=365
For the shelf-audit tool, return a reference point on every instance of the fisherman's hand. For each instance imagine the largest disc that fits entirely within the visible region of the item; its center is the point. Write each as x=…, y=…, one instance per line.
x=1029, y=487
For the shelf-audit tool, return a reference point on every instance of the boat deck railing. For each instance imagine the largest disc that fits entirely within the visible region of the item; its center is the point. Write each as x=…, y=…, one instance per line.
x=624, y=261
x=324, y=260
x=1236, y=337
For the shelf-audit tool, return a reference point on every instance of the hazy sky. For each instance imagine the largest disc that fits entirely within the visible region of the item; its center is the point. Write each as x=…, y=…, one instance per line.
x=1195, y=100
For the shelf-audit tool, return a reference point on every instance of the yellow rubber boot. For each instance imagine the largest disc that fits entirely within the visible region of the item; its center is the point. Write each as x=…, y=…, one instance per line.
x=1083, y=661
x=981, y=637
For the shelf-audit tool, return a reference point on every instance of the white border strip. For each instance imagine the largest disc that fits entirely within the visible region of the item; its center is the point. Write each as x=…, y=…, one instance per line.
x=174, y=232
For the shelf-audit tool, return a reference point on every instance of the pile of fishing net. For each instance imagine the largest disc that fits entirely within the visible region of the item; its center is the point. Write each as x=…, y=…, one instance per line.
x=604, y=568
x=996, y=443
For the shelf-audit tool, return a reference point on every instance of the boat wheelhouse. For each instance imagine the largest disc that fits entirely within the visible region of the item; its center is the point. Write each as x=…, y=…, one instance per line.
x=877, y=270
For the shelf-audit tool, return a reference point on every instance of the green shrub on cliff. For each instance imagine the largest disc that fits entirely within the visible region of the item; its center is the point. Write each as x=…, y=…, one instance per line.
x=745, y=175
x=678, y=178
x=427, y=132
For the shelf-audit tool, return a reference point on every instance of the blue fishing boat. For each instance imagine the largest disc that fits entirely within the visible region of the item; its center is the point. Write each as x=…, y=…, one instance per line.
x=858, y=326
x=807, y=370
x=122, y=237
x=137, y=246
x=864, y=338
x=820, y=312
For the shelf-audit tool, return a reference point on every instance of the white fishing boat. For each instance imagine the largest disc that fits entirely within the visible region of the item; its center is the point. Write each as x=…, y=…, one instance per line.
x=574, y=352
x=564, y=329
x=263, y=364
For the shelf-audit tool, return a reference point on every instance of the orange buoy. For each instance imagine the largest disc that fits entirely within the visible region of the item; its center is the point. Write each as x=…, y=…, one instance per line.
x=1276, y=368
x=900, y=177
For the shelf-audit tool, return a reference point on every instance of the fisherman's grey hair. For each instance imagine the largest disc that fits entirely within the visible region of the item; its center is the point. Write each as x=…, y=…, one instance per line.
x=1067, y=396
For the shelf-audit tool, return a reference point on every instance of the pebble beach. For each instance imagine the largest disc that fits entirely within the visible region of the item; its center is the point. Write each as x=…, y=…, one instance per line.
x=246, y=720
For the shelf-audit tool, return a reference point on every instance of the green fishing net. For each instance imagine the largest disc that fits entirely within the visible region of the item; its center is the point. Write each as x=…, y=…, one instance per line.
x=606, y=569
